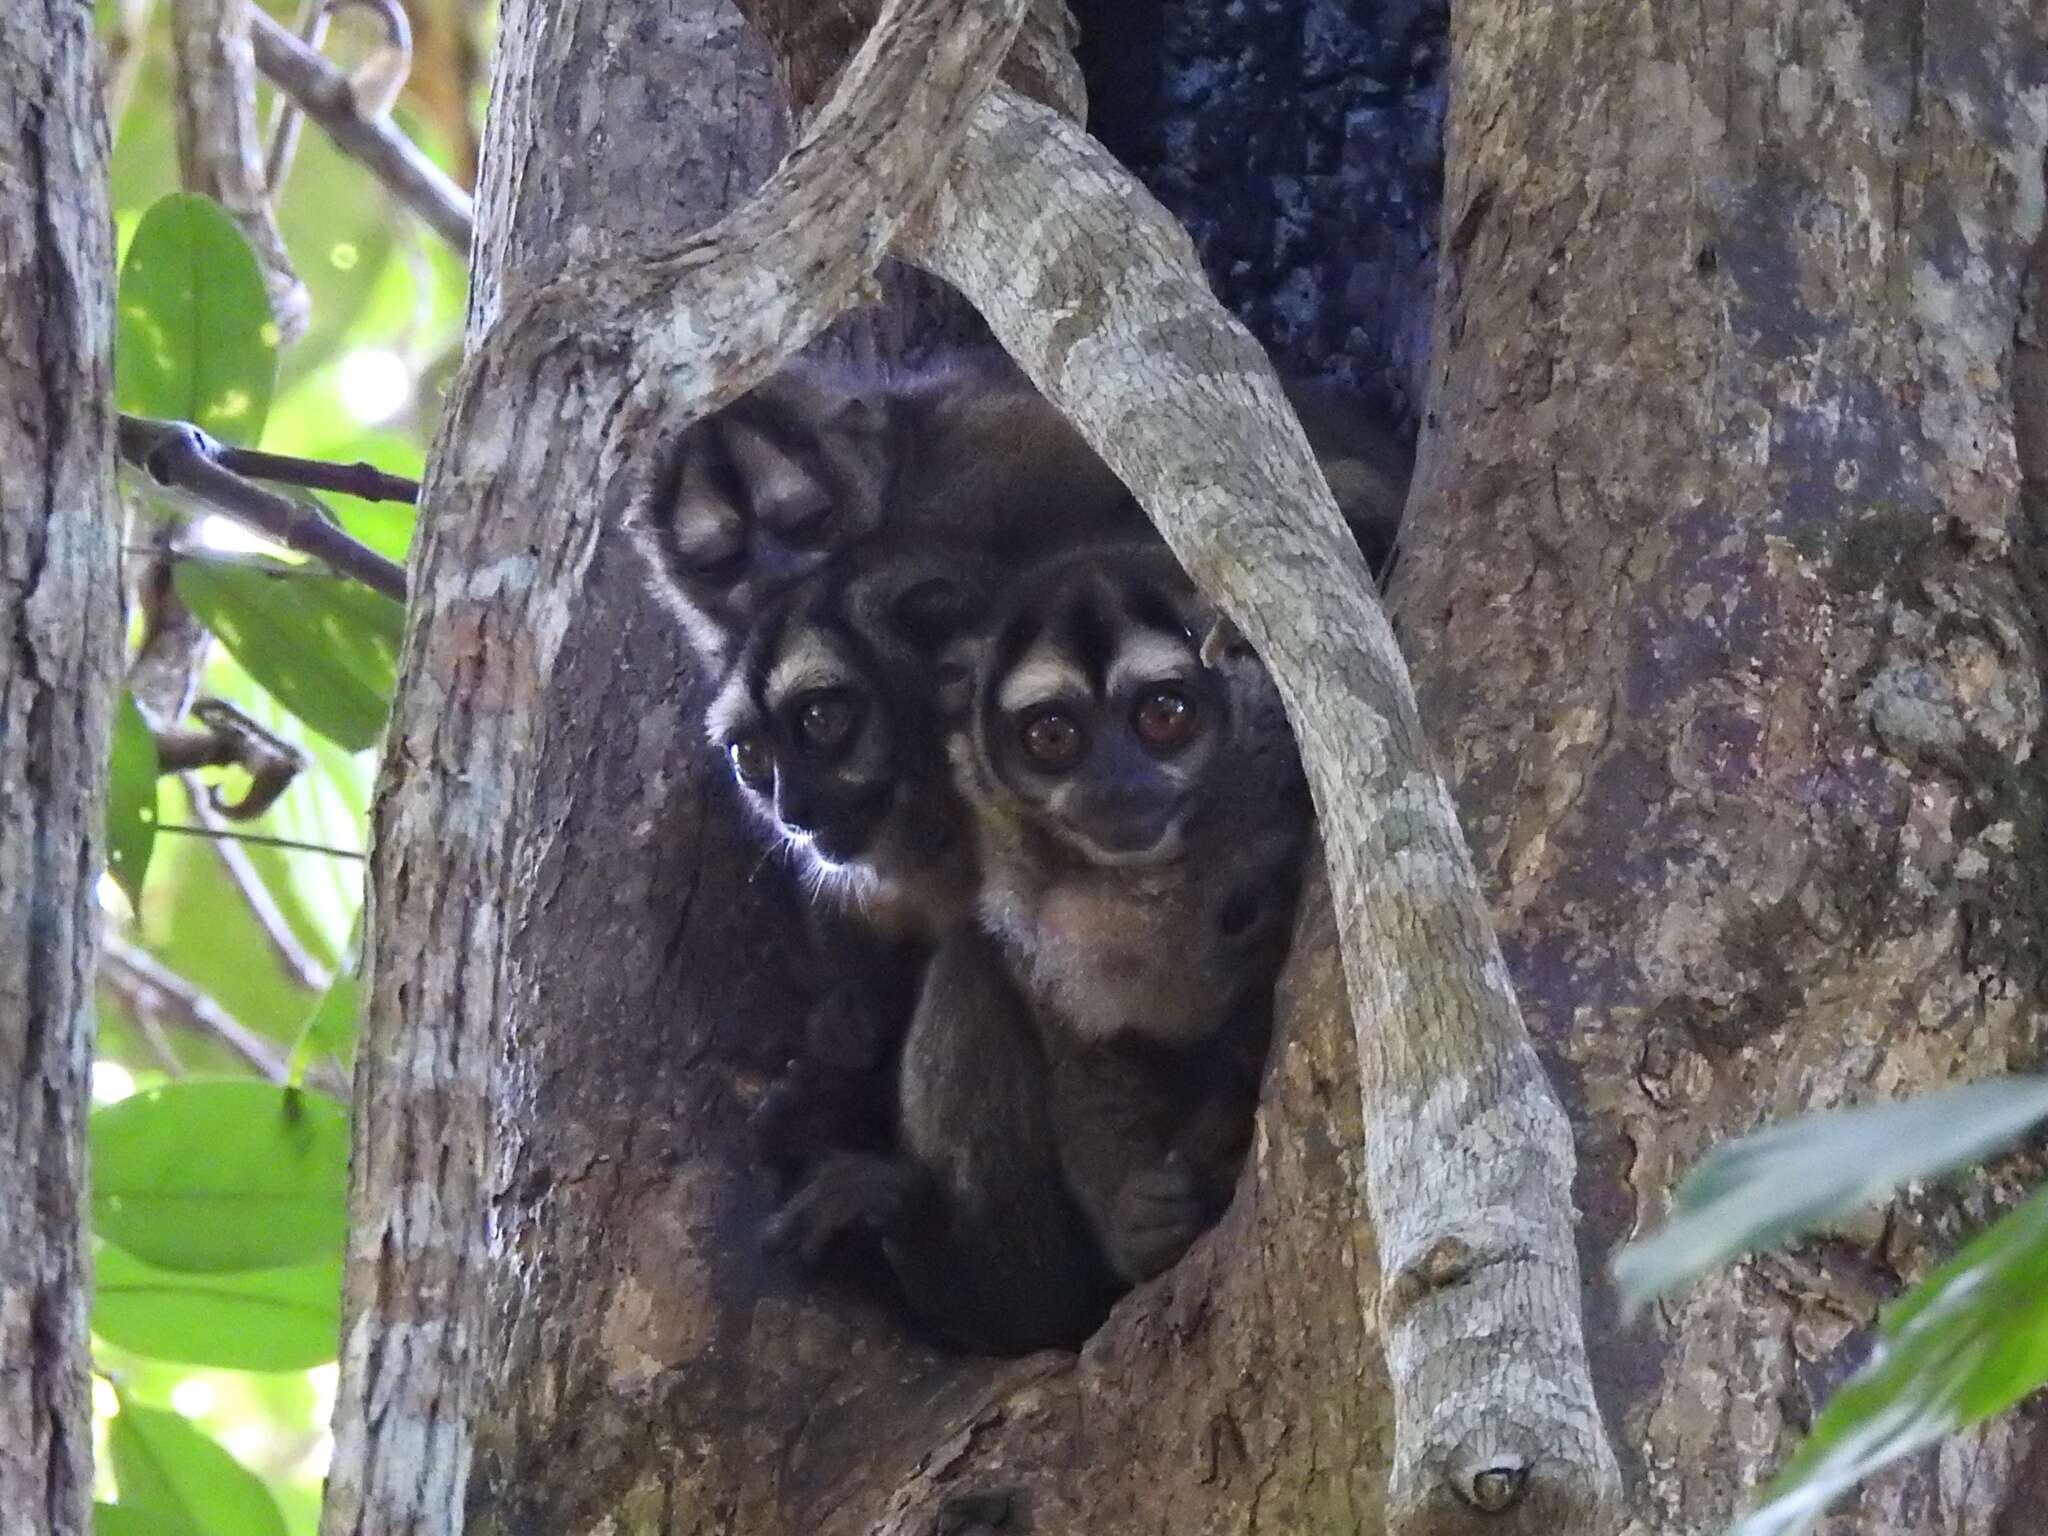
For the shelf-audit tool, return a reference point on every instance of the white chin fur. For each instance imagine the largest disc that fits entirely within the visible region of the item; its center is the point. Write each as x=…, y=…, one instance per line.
x=1169, y=847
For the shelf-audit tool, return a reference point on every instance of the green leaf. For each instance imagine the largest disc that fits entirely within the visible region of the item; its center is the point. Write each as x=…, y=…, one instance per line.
x=1797, y=1176
x=162, y=1463
x=196, y=340
x=128, y=1520
x=131, y=799
x=1967, y=1342
x=251, y=1320
x=221, y=1176
x=325, y=647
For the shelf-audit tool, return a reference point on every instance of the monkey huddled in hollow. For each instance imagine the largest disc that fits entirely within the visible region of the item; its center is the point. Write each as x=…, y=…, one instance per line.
x=968, y=692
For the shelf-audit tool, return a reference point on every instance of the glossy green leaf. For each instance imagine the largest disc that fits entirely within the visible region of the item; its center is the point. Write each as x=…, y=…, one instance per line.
x=162, y=1463
x=221, y=1176
x=196, y=341
x=131, y=799
x=1794, y=1177
x=246, y=1320
x=1967, y=1342
x=327, y=648
x=128, y=1520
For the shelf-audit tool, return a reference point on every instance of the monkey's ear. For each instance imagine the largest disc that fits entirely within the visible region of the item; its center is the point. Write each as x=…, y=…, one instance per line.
x=931, y=613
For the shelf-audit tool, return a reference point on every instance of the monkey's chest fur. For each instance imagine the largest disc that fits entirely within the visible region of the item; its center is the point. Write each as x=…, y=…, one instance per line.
x=1170, y=953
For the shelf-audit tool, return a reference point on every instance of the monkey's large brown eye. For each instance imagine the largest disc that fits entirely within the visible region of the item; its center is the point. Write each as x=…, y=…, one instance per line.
x=1052, y=739
x=752, y=762
x=1165, y=719
x=825, y=721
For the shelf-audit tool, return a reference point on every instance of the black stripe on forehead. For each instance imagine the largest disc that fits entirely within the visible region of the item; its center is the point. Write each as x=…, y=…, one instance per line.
x=1088, y=629
x=764, y=645
x=1149, y=607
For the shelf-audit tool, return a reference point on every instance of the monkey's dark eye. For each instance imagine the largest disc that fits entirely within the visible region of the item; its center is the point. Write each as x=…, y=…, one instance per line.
x=1165, y=719
x=752, y=761
x=1052, y=739
x=825, y=721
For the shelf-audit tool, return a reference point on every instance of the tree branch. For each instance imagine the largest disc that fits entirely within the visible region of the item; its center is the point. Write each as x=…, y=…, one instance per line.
x=175, y=453
x=325, y=95
x=1470, y=1159
x=218, y=152
x=593, y=349
x=151, y=990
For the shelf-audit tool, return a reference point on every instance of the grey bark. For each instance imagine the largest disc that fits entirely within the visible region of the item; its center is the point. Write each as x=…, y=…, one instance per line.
x=59, y=667
x=1726, y=615
x=548, y=400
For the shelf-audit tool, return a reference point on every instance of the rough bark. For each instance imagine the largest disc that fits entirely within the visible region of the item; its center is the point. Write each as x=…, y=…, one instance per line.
x=1728, y=622
x=59, y=667
x=551, y=398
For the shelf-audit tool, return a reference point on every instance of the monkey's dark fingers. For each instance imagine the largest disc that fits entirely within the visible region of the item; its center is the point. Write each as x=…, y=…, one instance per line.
x=850, y=1190
x=1158, y=1213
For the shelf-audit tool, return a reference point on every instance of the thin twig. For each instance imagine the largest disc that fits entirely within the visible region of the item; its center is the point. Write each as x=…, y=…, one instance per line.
x=152, y=990
x=285, y=120
x=301, y=967
x=259, y=840
x=362, y=480
x=178, y=454
x=156, y=995
x=324, y=94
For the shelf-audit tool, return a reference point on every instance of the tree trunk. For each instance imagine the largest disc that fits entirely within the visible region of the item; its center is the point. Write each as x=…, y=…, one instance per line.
x=59, y=668
x=1720, y=394
x=1726, y=618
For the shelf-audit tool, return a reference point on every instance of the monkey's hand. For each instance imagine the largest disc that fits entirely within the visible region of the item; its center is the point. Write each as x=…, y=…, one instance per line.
x=807, y=1115
x=1157, y=1213
x=851, y=1191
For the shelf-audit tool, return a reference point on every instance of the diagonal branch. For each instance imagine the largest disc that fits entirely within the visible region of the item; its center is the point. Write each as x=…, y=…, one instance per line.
x=1470, y=1159
x=175, y=453
x=325, y=95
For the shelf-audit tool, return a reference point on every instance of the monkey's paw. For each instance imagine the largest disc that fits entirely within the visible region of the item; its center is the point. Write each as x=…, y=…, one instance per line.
x=850, y=1191
x=1158, y=1213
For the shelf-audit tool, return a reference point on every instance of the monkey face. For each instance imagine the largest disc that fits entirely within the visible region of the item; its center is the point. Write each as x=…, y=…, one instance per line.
x=813, y=746
x=1108, y=760
x=828, y=720
x=1095, y=718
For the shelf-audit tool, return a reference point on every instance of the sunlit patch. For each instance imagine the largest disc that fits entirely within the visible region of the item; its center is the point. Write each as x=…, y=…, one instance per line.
x=232, y=405
x=230, y=537
x=270, y=335
x=193, y=1397
x=375, y=384
x=113, y=900
x=320, y=1457
x=344, y=255
x=106, y=1402
x=111, y=1082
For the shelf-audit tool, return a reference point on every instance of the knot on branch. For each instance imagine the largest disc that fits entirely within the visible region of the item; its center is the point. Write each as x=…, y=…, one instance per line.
x=1492, y=1486
x=1444, y=1263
